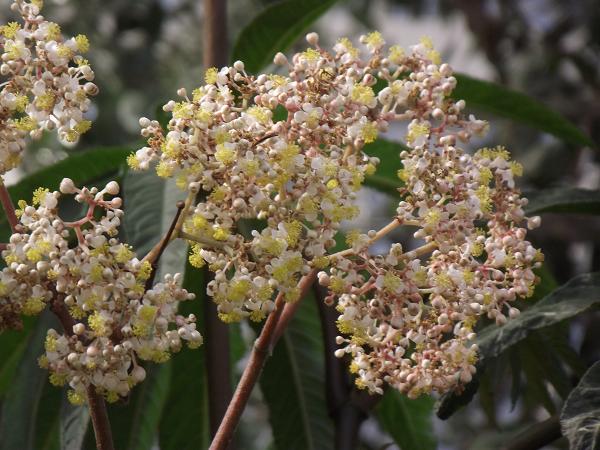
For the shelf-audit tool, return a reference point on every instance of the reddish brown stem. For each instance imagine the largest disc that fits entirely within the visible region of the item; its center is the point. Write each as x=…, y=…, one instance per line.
x=218, y=366
x=290, y=308
x=262, y=348
x=100, y=422
x=215, y=33
x=8, y=206
x=162, y=245
x=97, y=406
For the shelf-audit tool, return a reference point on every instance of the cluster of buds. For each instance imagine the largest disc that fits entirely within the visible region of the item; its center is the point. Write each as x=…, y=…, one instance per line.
x=102, y=293
x=46, y=82
x=287, y=149
x=407, y=317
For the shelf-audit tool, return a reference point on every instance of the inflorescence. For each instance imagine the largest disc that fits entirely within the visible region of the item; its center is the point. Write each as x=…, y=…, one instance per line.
x=287, y=149
x=97, y=287
x=45, y=82
x=272, y=165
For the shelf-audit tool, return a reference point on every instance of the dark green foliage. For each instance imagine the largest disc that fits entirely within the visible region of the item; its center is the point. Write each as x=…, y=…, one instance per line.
x=408, y=421
x=580, y=417
x=274, y=30
x=513, y=105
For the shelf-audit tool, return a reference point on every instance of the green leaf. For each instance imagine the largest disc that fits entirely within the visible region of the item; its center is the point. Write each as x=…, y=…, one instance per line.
x=274, y=29
x=567, y=301
x=557, y=305
x=386, y=177
x=81, y=167
x=149, y=204
x=580, y=417
x=293, y=385
x=74, y=422
x=47, y=430
x=517, y=106
x=563, y=200
x=21, y=425
x=135, y=425
x=184, y=425
x=407, y=421
x=12, y=347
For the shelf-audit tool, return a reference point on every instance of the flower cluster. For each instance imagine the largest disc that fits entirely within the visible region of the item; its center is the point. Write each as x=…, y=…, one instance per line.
x=407, y=318
x=46, y=83
x=287, y=149
x=99, y=290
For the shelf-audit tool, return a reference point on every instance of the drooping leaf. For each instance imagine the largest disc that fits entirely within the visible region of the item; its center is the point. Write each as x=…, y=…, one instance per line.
x=47, y=430
x=563, y=200
x=534, y=373
x=149, y=204
x=74, y=422
x=21, y=424
x=407, y=421
x=293, y=385
x=12, y=347
x=275, y=29
x=135, y=424
x=517, y=106
x=580, y=417
x=386, y=177
x=81, y=167
x=579, y=294
x=574, y=297
x=188, y=390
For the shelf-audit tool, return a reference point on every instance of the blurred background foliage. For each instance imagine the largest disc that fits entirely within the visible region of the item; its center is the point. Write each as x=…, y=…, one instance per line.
x=144, y=50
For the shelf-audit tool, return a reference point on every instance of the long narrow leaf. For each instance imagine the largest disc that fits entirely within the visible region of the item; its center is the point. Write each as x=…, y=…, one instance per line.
x=19, y=421
x=149, y=204
x=407, y=421
x=580, y=417
x=517, y=106
x=188, y=390
x=275, y=29
x=294, y=387
x=563, y=200
x=81, y=167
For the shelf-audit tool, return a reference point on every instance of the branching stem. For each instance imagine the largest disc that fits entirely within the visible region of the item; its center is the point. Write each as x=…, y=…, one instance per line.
x=262, y=348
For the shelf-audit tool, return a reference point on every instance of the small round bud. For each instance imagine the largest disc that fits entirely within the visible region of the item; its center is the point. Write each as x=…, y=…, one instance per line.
x=280, y=59
x=112, y=188
x=312, y=38
x=67, y=186
x=138, y=374
x=534, y=222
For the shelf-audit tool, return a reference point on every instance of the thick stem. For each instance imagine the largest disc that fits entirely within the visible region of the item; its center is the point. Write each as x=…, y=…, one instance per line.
x=262, y=348
x=346, y=415
x=8, y=206
x=290, y=308
x=218, y=367
x=100, y=422
x=96, y=404
x=216, y=332
x=215, y=33
x=538, y=436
